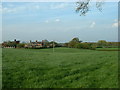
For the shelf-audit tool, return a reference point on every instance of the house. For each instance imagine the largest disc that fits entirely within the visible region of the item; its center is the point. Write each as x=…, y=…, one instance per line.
x=45, y=43
x=35, y=44
x=10, y=44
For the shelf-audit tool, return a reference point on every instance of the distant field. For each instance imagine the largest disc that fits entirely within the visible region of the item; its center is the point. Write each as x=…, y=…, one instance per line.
x=65, y=68
x=108, y=49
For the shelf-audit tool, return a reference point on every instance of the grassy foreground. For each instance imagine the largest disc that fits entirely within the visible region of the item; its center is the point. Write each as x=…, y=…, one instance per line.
x=0, y=68
x=65, y=68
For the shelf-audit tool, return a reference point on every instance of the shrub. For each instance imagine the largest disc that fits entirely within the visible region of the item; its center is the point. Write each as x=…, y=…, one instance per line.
x=102, y=43
x=93, y=46
x=21, y=45
x=86, y=46
x=78, y=45
x=83, y=45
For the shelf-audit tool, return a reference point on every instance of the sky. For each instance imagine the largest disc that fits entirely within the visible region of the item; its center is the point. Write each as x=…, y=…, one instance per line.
x=58, y=21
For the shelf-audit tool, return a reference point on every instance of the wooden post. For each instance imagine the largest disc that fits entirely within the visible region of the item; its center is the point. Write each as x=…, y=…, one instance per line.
x=53, y=47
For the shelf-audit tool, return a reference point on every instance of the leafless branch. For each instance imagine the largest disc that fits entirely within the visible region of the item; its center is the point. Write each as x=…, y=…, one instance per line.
x=83, y=6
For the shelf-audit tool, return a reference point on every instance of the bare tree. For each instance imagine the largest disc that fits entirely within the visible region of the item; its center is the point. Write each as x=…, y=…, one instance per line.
x=83, y=6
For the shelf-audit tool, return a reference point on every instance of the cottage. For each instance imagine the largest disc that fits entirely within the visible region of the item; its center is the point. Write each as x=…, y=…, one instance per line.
x=35, y=44
x=10, y=44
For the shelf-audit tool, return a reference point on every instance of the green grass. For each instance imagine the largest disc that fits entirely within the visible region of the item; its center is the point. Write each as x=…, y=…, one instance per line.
x=0, y=68
x=65, y=68
x=108, y=49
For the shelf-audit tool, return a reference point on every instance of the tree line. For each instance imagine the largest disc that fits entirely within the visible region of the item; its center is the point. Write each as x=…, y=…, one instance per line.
x=76, y=43
x=17, y=44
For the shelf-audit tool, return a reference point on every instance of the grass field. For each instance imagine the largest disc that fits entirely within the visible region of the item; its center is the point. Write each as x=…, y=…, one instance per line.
x=65, y=68
x=108, y=49
x=0, y=68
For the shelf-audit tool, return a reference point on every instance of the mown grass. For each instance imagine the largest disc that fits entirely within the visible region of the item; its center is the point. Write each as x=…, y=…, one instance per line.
x=65, y=68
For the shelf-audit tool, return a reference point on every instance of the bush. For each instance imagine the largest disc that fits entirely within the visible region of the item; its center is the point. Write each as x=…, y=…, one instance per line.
x=102, y=43
x=83, y=46
x=79, y=45
x=93, y=46
x=21, y=45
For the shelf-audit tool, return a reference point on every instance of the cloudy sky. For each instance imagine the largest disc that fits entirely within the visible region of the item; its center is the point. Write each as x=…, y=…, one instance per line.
x=58, y=21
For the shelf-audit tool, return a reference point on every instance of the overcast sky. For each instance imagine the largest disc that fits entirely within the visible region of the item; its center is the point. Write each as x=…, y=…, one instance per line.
x=58, y=21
